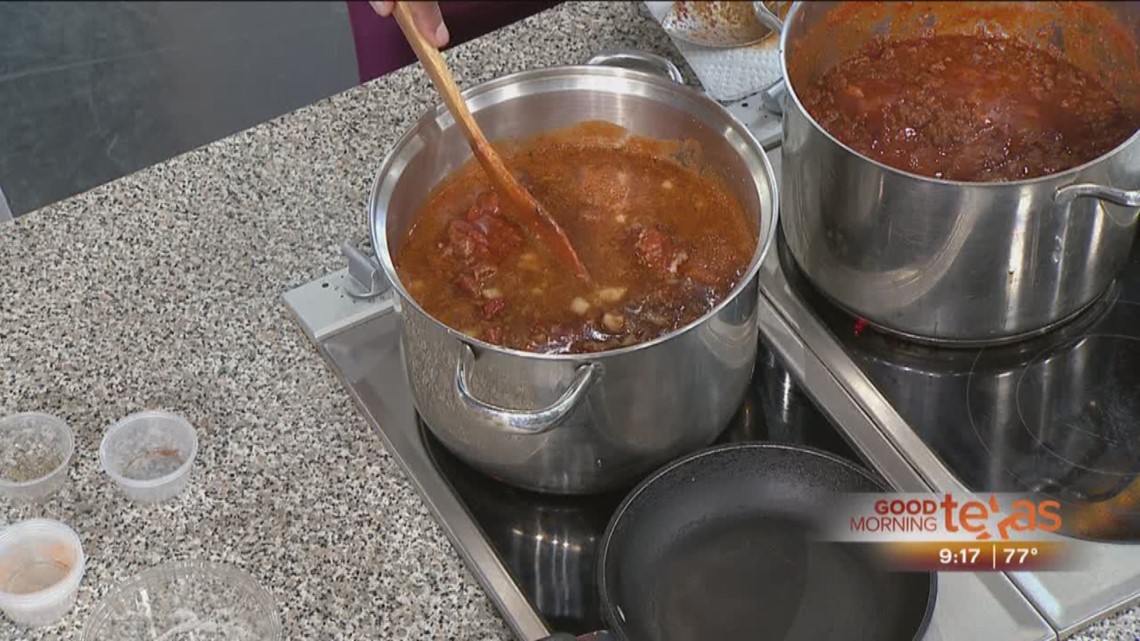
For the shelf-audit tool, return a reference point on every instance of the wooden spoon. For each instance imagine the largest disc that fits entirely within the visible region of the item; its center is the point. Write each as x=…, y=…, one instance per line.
x=526, y=211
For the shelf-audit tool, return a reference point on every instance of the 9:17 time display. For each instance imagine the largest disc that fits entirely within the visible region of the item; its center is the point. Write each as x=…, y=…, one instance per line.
x=977, y=556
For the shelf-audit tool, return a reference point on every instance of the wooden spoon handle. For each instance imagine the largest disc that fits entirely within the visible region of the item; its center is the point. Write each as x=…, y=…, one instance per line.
x=441, y=77
x=526, y=212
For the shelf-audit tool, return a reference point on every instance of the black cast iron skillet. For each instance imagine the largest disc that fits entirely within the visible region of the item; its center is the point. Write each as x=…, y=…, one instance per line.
x=719, y=546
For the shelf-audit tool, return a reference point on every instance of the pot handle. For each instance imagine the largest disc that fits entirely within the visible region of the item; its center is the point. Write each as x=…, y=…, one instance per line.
x=367, y=280
x=771, y=96
x=1125, y=198
x=522, y=421
x=640, y=61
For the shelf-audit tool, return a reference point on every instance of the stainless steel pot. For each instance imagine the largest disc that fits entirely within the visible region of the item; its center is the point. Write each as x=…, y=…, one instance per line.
x=949, y=261
x=578, y=423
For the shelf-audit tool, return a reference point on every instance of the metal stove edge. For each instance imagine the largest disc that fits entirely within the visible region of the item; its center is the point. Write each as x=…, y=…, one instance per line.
x=347, y=329
x=1069, y=600
x=360, y=342
x=1109, y=580
x=363, y=352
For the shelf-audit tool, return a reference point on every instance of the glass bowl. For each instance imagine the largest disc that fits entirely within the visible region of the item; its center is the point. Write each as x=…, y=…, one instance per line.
x=187, y=601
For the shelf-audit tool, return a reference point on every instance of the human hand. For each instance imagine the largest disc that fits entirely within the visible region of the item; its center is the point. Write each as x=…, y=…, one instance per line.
x=428, y=19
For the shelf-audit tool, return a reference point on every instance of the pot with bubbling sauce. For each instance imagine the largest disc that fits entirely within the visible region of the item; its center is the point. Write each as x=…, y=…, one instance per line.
x=961, y=172
x=512, y=368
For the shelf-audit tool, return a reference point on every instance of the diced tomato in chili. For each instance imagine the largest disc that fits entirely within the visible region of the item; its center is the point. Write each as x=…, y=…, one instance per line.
x=467, y=285
x=469, y=242
x=654, y=248
x=483, y=272
x=493, y=334
x=492, y=307
x=486, y=204
x=502, y=235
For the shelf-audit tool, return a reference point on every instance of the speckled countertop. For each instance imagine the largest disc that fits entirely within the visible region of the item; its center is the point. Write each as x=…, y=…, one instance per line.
x=162, y=290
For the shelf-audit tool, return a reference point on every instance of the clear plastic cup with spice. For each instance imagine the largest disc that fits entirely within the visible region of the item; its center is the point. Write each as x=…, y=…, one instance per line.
x=150, y=455
x=35, y=450
x=41, y=565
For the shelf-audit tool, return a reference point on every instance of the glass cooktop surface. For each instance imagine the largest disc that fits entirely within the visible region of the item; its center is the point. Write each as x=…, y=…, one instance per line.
x=549, y=543
x=1056, y=415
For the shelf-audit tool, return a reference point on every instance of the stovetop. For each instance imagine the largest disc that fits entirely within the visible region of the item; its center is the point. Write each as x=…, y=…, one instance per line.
x=1057, y=416
x=548, y=543
x=1052, y=415
x=533, y=554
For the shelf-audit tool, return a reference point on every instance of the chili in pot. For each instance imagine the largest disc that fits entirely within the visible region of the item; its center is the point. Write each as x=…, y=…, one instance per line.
x=971, y=108
x=665, y=243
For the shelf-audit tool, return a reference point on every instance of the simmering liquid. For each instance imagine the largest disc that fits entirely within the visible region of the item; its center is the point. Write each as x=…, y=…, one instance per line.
x=662, y=242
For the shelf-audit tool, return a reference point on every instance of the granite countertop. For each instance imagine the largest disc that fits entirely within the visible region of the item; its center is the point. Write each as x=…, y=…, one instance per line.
x=162, y=291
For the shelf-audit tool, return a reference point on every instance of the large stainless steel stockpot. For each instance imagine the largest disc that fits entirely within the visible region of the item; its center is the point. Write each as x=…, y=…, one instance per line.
x=951, y=261
x=578, y=423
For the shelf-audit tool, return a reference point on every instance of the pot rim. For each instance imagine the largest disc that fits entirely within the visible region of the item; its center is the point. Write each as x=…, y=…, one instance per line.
x=1059, y=176
x=763, y=243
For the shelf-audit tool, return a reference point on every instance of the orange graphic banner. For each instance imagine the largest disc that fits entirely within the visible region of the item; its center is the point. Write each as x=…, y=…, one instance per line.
x=976, y=556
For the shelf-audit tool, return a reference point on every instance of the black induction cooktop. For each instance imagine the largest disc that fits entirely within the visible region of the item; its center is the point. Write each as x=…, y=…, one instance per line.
x=549, y=543
x=1056, y=416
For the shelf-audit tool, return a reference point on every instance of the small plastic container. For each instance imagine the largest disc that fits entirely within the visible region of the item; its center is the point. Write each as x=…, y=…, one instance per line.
x=41, y=565
x=35, y=451
x=150, y=455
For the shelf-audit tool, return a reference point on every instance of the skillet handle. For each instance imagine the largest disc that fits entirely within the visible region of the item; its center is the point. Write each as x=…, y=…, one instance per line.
x=640, y=61
x=516, y=420
x=593, y=636
x=1125, y=198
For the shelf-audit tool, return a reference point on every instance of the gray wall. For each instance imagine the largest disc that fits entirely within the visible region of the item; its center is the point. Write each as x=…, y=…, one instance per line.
x=91, y=91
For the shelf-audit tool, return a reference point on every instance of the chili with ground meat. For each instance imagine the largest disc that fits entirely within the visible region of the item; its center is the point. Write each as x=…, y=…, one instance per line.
x=968, y=108
x=663, y=243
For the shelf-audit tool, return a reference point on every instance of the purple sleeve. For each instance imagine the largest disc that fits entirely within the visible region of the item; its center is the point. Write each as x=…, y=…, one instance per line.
x=381, y=48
